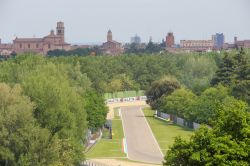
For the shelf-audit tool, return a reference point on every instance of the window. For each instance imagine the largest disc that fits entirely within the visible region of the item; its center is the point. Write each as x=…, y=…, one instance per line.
x=28, y=45
x=49, y=46
x=37, y=45
x=20, y=45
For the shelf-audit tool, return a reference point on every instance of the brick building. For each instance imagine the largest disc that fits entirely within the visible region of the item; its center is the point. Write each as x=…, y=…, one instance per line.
x=6, y=49
x=237, y=44
x=111, y=47
x=197, y=45
x=170, y=40
x=38, y=45
x=241, y=43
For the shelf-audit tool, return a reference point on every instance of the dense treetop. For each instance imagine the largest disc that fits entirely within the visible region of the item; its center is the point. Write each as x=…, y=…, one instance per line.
x=61, y=97
x=192, y=70
x=49, y=118
x=223, y=107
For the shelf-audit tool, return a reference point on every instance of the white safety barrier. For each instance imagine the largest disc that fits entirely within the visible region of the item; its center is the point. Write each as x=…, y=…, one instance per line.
x=127, y=99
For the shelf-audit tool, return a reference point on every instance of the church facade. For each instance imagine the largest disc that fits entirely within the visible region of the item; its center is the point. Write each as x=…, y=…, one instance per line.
x=111, y=47
x=50, y=42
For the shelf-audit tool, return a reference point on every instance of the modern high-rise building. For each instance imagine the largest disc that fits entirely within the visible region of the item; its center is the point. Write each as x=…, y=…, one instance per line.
x=219, y=40
x=136, y=39
x=170, y=40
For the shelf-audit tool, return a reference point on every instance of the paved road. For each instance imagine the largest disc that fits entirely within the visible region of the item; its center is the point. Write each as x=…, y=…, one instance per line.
x=123, y=104
x=141, y=144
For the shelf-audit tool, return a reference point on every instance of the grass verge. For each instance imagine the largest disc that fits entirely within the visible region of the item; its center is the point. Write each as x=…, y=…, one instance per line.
x=109, y=147
x=165, y=132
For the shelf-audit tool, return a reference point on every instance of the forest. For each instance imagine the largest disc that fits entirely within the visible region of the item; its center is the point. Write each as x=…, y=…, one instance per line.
x=134, y=72
x=222, y=108
x=48, y=103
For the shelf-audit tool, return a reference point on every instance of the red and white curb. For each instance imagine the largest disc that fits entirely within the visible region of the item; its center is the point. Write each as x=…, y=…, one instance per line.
x=124, y=146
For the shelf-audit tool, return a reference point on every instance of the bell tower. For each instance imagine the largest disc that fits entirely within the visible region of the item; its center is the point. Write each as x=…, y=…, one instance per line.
x=109, y=36
x=60, y=30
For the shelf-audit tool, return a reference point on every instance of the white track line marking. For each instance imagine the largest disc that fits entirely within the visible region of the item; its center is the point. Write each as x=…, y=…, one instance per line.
x=151, y=132
x=124, y=135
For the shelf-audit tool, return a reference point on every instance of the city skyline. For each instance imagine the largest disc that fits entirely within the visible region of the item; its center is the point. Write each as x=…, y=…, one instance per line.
x=89, y=21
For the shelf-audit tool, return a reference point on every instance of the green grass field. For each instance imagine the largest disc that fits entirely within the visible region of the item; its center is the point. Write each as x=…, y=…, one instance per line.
x=109, y=147
x=116, y=113
x=165, y=132
x=123, y=94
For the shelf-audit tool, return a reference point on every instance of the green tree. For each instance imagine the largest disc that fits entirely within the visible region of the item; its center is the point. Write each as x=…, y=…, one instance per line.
x=22, y=141
x=226, y=73
x=74, y=52
x=153, y=48
x=197, y=72
x=134, y=48
x=233, y=119
x=161, y=88
x=77, y=79
x=122, y=82
x=204, y=108
x=60, y=108
x=241, y=89
x=96, y=110
x=179, y=103
x=115, y=85
x=227, y=143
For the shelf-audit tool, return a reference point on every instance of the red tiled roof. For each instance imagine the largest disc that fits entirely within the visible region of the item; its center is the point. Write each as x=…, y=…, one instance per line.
x=28, y=40
x=113, y=41
x=52, y=35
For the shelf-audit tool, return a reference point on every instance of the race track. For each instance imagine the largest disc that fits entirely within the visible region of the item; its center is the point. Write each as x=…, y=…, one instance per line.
x=141, y=144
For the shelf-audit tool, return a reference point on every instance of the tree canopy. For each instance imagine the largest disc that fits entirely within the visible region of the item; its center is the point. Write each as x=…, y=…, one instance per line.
x=161, y=88
x=22, y=140
x=48, y=103
x=57, y=111
x=227, y=143
x=179, y=103
x=96, y=110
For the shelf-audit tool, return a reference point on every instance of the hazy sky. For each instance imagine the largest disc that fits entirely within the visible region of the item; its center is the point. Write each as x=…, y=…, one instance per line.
x=89, y=20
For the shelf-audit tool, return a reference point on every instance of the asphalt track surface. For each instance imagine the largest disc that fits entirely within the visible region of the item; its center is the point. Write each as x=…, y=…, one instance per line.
x=141, y=143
